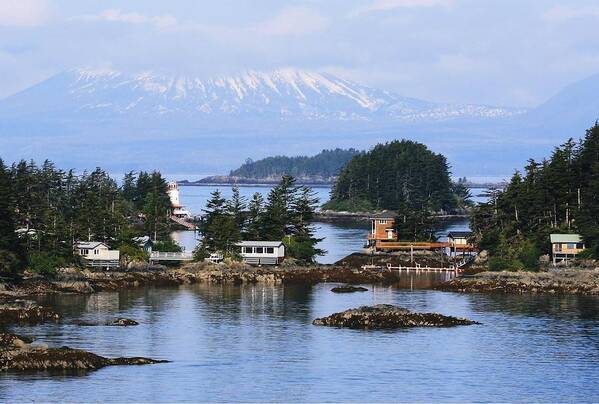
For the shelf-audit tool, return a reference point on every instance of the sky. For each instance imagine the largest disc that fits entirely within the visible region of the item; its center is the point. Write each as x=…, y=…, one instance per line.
x=496, y=52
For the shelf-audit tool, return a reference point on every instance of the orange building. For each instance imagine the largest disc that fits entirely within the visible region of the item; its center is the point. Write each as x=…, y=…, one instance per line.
x=382, y=228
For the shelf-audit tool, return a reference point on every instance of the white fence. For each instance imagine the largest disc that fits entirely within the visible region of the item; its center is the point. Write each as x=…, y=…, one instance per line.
x=171, y=256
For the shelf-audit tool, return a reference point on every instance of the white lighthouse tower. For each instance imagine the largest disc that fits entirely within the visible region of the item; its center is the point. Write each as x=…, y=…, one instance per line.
x=173, y=193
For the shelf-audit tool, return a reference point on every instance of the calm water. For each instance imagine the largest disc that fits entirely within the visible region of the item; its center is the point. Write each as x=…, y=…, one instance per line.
x=256, y=343
x=340, y=238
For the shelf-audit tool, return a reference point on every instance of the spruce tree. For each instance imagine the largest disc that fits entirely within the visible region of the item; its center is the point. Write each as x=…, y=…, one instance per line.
x=11, y=253
x=255, y=223
x=303, y=243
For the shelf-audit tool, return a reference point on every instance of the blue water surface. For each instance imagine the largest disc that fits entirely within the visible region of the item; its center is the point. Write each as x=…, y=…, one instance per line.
x=257, y=343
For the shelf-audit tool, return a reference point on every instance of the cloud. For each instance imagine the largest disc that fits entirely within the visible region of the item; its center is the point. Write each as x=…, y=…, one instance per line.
x=290, y=21
x=388, y=5
x=116, y=15
x=562, y=13
x=293, y=21
x=23, y=13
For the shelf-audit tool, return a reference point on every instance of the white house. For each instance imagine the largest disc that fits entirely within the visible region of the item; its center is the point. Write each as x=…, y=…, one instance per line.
x=262, y=252
x=97, y=254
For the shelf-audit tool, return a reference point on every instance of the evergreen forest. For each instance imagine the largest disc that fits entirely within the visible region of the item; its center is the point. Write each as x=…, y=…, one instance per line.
x=45, y=210
x=559, y=194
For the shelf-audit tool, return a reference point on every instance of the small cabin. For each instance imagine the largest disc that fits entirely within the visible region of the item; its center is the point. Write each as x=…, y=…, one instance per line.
x=382, y=228
x=459, y=238
x=145, y=243
x=565, y=247
x=97, y=254
x=458, y=242
x=262, y=252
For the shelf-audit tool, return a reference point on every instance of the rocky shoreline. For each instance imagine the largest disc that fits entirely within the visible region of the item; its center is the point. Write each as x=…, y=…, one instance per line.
x=18, y=312
x=567, y=281
x=86, y=282
x=18, y=354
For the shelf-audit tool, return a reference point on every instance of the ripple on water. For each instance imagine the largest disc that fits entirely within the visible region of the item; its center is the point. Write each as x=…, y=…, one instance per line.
x=257, y=343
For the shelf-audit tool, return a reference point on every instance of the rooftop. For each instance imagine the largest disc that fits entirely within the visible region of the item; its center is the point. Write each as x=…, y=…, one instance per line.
x=384, y=215
x=89, y=245
x=565, y=238
x=259, y=243
x=459, y=234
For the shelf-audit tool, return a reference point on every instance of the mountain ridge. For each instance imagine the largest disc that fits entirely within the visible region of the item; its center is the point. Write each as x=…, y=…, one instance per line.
x=283, y=94
x=150, y=121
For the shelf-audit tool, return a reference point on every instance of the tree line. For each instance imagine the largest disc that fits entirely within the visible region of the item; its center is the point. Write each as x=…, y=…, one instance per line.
x=402, y=176
x=325, y=165
x=45, y=210
x=557, y=195
x=285, y=215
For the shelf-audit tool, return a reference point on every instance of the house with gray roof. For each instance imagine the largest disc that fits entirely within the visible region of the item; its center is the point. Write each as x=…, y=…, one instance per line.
x=565, y=247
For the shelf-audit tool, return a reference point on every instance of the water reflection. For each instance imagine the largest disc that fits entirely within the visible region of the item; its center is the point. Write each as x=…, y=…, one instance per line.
x=256, y=343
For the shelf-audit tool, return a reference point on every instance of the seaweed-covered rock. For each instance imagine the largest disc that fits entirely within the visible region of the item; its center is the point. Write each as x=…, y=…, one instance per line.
x=17, y=313
x=117, y=322
x=17, y=355
x=123, y=322
x=385, y=316
x=348, y=289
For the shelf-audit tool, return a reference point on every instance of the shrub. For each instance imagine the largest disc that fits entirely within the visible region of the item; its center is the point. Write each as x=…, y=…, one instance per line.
x=10, y=265
x=200, y=253
x=528, y=256
x=45, y=264
x=130, y=253
x=167, y=245
x=499, y=264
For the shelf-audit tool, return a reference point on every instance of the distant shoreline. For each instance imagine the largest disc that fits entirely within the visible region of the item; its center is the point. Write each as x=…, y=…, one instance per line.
x=242, y=182
x=248, y=184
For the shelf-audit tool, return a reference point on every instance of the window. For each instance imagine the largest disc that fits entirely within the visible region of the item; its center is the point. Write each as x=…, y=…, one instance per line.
x=382, y=221
x=96, y=252
x=270, y=250
x=571, y=246
x=259, y=250
x=580, y=246
x=84, y=251
x=247, y=250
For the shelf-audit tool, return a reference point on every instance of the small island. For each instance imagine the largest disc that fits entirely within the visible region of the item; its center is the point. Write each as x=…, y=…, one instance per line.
x=386, y=316
x=320, y=169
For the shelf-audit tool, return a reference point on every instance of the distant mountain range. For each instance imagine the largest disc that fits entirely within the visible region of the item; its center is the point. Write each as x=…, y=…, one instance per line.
x=86, y=117
x=281, y=95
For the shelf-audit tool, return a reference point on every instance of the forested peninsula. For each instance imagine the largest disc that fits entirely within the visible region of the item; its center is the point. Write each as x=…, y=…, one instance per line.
x=557, y=195
x=405, y=177
x=321, y=169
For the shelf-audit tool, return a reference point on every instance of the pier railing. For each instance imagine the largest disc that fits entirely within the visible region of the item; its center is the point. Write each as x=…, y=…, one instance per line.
x=170, y=256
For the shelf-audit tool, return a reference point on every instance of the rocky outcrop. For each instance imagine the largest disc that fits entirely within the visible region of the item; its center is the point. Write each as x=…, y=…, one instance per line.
x=118, y=322
x=122, y=322
x=348, y=289
x=385, y=316
x=571, y=281
x=16, y=354
x=26, y=313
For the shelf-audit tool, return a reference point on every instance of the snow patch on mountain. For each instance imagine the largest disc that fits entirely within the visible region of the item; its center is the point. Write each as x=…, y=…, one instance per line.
x=281, y=95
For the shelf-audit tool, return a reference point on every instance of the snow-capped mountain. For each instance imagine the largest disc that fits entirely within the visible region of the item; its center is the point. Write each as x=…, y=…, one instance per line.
x=91, y=117
x=280, y=95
